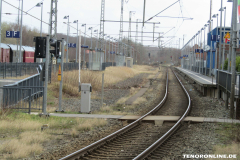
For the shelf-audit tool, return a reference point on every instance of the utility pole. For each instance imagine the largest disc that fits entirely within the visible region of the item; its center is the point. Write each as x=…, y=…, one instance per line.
x=101, y=36
x=210, y=15
x=136, y=39
x=233, y=64
x=46, y=77
x=220, y=50
x=20, y=51
x=120, y=45
x=53, y=20
x=0, y=24
x=144, y=4
x=129, y=33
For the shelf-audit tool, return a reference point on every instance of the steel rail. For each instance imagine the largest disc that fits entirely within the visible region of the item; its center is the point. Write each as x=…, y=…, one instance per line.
x=156, y=144
x=78, y=154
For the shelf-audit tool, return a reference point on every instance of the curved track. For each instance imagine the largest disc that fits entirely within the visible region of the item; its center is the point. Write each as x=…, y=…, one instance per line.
x=132, y=140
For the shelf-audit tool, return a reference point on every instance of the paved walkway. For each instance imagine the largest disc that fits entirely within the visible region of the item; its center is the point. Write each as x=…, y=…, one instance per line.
x=175, y=118
x=148, y=118
x=198, y=78
x=141, y=92
x=83, y=115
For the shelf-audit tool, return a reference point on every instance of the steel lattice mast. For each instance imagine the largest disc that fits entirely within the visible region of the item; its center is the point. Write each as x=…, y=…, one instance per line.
x=101, y=33
x=129, y=34
x=120, y=49
x=53, y=20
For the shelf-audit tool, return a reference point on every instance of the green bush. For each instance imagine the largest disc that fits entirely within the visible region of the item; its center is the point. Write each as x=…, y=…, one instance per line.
x=225, y=64
x=237, y=64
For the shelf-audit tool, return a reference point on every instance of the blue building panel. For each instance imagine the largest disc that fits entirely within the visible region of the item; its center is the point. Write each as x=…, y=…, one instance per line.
x=214, y=32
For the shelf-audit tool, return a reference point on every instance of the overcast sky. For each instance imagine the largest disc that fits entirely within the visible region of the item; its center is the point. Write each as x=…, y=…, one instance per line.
x=88, y=11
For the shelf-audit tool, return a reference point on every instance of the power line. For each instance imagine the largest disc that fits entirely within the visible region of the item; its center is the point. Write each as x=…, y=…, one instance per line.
x=25, y=12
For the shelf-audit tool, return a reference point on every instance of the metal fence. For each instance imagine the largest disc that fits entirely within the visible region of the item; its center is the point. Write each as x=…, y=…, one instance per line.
x=225, y=81
x=15, y=70
x=25, y=95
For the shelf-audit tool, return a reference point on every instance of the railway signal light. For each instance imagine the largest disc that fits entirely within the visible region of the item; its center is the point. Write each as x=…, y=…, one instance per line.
x=40, y=47
x=56, y=46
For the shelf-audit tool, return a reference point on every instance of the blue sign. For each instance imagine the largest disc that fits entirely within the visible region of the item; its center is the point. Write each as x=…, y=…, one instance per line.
x=16, y=34
x=198, y=50
x=72, y=45
x=84, y=46
x=12, y=34
x=99, y=49
x=9, y=34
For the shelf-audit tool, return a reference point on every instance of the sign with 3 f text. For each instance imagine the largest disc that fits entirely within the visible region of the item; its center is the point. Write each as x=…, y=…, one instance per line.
x=12, y=34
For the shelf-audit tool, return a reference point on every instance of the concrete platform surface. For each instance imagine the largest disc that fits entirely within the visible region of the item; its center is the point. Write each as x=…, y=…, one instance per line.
x=83, y=115
x=175, y=118
x=148, y=118
x=198, y=78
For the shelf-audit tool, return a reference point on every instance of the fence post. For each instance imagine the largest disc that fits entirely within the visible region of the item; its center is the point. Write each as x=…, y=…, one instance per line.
x=30, y=98
x=102, y=89
x=46, y=78
x=61, y=82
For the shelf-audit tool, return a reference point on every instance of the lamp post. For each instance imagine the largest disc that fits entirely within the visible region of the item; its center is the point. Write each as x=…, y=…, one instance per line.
x=109, y=48
x=96, y=45
x=90, y=28
x=20, y=51
x=40, y=5
x=215, y=66
x=220, y=51
x=96, y=38
x=67, y=17
x=84, y=45
x=206, y=52
x=105, y=59
x=0, y=24
x=223, y=54
x=211, y=56
x=76, y=21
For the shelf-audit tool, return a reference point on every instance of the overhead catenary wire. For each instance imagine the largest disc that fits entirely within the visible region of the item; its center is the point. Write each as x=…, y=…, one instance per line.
x=25, y=12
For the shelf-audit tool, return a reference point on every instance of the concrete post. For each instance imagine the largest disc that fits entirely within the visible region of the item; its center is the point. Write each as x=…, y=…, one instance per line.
x=233, y=65
x=20, y=51
x=102, y=89
x=46, y=77
x=220, y=51
x=61, y=82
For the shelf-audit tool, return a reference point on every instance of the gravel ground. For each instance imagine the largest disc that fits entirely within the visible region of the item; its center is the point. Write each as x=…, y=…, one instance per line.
x=111, y=94
x=198, y=138
x=56, y=149
x=195, y=138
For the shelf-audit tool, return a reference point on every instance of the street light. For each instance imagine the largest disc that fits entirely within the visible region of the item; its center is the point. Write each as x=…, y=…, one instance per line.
x=90, y=28
x=96, y=38
x=67, y=17
x=216, y=16
x=76, y=21
x=40, y=5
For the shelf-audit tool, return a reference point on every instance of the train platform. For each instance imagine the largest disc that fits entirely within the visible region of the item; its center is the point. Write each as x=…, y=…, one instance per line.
x=175, y=118
x=206, y=85
x=148, y=118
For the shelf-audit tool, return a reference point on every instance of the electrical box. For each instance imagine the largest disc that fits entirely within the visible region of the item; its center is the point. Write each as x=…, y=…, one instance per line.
x=86, y=90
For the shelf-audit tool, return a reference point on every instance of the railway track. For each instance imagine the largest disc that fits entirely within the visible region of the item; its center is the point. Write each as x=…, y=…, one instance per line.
x=138, y=140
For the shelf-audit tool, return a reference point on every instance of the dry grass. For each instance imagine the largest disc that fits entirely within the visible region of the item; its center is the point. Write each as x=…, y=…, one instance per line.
x=112, y=75
x=17, y=148
x=229, y=149
x=24, y=137
x=18, y=126
x=139, y=100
